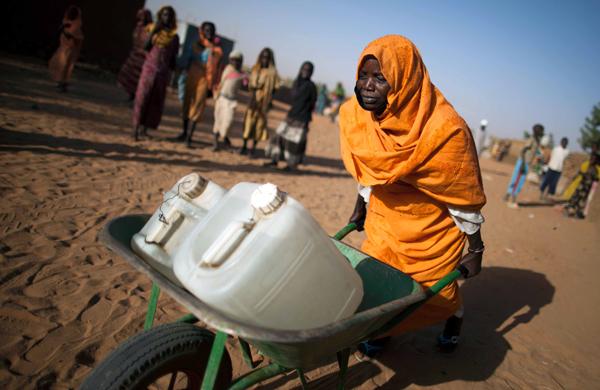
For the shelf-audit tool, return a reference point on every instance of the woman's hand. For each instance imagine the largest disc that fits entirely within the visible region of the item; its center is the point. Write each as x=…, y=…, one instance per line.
x=359, y=214
x=470, y=264
x=148, y=44
x=156, y=29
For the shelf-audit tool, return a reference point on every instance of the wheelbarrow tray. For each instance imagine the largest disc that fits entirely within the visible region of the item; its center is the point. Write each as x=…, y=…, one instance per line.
x=389, y=296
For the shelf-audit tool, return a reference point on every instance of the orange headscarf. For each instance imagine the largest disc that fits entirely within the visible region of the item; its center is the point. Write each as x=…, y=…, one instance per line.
x=419, y=139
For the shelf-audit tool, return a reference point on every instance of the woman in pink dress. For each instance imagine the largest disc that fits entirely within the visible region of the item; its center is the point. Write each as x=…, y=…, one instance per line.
x=162, y=46
x=130, y=71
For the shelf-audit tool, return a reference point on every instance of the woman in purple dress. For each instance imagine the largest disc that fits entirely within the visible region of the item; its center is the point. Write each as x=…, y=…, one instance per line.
x=162, y=46
x=132, y=68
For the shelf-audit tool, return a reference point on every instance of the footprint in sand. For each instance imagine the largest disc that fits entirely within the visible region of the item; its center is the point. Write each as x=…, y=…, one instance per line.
x=54, y=230
x=54, y=285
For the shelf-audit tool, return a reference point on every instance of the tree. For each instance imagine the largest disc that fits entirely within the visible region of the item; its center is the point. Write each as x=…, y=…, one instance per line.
x=590, y=131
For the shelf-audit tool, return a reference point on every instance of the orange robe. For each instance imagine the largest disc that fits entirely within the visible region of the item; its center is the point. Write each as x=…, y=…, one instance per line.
x=201, y=77
x=419, y=157
x=63, y=61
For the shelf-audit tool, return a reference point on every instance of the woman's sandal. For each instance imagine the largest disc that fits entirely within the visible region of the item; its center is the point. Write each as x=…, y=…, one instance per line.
x=370, y=348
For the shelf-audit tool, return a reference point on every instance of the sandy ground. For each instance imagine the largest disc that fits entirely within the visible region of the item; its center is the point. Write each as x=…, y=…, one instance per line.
x=68, y=165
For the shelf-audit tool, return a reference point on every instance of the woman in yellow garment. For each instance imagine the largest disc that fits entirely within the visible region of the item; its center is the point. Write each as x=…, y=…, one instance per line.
x=263, y=83
x=583, y=168
x=202, y=78
x=63, y=61
x=415, y=161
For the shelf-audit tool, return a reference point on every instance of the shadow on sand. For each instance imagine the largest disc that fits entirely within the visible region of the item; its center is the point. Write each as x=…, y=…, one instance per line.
x=497, y=301
x=541, y=203
x=40, y=143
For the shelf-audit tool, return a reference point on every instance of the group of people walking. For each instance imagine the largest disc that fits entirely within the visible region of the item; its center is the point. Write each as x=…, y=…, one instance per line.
x=204, y=79
x=149, y=67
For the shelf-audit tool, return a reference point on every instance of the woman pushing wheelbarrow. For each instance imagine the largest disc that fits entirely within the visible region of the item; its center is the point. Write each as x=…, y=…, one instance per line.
x=418, y=173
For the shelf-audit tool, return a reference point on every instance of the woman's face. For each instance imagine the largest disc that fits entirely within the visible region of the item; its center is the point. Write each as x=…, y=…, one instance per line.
x=265, y=58
x=165, y=17
x=306, y=71
x=236, y=62
x=371, y=87
x=209, y=31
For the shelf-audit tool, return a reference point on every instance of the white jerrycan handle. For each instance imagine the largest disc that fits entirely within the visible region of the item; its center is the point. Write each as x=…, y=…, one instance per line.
x=163, y=226
x=226, y=243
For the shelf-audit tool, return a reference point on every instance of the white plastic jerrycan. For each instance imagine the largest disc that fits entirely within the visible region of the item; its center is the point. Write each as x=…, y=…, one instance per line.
x=183, y=207
x=260, y=257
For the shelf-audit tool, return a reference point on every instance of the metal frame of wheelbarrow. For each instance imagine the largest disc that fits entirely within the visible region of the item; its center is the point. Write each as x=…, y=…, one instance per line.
x=288, y=349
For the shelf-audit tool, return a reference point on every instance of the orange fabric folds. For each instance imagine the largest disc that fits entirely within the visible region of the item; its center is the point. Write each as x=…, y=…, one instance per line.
x=419, y=157
x=214, y=59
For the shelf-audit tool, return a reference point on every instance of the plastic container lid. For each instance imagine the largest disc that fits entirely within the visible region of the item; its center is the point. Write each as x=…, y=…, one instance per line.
x=267, y=198
x=192, y=185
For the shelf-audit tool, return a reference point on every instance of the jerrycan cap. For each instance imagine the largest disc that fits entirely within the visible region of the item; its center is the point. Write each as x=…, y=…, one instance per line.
x=192, y=185
x=267, y=198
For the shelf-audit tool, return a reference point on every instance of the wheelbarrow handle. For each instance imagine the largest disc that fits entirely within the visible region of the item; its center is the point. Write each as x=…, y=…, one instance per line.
x=431, y=291
x=443, y=282
x=345, y=231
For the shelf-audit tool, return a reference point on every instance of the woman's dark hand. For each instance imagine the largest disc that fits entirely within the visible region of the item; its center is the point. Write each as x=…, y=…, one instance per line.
x=470, y=264
x=156, y=29
x=359, y=214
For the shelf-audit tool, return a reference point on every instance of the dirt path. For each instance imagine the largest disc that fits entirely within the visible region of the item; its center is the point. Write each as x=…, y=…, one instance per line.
x=68, y=165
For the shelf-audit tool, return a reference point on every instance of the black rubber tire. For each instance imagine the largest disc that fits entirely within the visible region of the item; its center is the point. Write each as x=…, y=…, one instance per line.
x=148, y=356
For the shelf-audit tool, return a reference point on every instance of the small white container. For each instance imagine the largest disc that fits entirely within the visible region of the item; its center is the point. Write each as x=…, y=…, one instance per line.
x=183, y=207
x=260, y=257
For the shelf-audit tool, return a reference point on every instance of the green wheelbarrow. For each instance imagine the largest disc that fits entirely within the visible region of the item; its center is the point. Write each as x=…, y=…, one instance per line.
x=184, y=355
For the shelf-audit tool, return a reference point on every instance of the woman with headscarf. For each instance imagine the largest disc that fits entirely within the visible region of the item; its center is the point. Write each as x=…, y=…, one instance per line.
x=415, y=161
x=161, y=46
x=289, y=142
x=129, y=74
x=71, y=38
x=226, y=95
x=264, y=81
x=583, y=168
x=202, y=78
x=581, y=191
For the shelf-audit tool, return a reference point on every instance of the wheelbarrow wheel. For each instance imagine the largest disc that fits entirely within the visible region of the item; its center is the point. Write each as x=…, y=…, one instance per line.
x=170, y=356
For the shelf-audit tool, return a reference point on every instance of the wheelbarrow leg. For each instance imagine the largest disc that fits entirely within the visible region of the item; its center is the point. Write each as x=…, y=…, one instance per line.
x=302, y=378
x=343, y=356
x=152, y=302
x=258, y=375
x=214, y=361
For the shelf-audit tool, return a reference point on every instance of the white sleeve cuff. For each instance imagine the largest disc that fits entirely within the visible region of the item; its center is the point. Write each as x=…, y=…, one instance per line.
x=467, y=221
x=365, y=192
